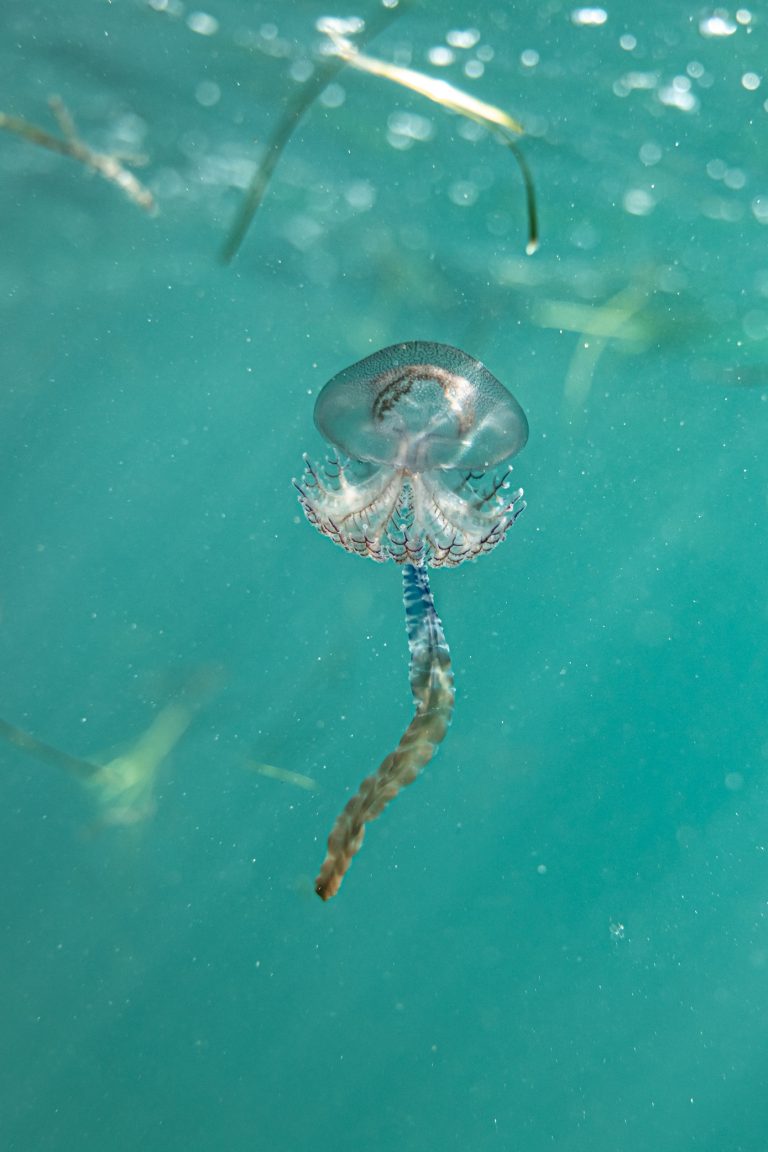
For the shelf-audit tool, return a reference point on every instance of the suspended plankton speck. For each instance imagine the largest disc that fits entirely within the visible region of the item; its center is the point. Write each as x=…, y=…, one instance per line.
x=584, y=236
x=464, y=193
x=643, y=81
x=202, y=23
x=333, y=96
x=474, y=69
x=588, y=17
x=760, y=209
x=755, y=325
x=470, y=130
x=678, y=95
x=462, y=37
x=207, y=93
x=408, y=126
x=337, y=26
x=628, y=42
x=361, y=195
x=735, y=178
x=744, y=16
x=529, y=58
x=273, y=772
x=440, y=56
x=650, y=154
x=638, y=202
x=718, y=24
x=751, y=81
x=718, y=208
x=301, y=70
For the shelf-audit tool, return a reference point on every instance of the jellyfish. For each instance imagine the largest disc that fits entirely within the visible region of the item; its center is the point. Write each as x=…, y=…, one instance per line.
x=423, y=433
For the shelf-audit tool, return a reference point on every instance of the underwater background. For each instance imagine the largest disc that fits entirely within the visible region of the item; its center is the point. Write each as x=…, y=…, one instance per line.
x=558, y=937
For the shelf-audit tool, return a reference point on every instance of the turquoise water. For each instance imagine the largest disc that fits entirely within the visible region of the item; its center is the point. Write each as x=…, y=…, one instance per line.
x=558, y=937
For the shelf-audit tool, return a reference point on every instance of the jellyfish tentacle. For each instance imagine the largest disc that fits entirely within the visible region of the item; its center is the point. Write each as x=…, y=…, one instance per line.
x=356, y=516
x=431, y=678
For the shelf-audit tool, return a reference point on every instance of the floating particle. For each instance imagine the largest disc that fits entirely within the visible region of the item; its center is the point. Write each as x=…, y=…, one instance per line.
x=588, y=17
x=463, y=37
x=202, y=23
x=638, y=202
x=718, y=24
x=441, y=56
x=207, y=93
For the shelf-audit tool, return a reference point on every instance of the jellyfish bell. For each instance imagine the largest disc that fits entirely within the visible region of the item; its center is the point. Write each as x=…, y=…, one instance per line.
x=422, y=424
x=420, y=406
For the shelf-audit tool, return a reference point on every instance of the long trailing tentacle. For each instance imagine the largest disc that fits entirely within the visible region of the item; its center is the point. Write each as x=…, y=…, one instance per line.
x=431, y=678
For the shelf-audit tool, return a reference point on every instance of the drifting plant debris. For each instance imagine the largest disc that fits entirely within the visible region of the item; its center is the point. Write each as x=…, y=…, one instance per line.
x=297, y=107
x=342, y=51
x=499, y=122
x=106, y=164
